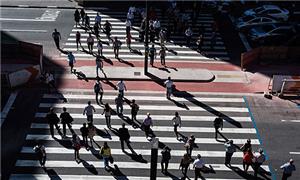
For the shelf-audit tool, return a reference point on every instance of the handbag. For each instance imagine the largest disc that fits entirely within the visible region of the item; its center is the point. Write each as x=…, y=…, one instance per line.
x=111, y=159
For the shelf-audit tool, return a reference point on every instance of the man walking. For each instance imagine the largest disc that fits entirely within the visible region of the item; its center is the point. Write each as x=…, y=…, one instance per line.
x=107, y=27
x=165, y=158
x=162, y=54
x=288, y=169
x=152, y=54
x=72, y=60
x=66, y=120
x=146, y=124
x=125, y=137
x=169, y=87
x=198, y=164
x=88, y=111
x=98, y=91
x=188, y=36
x=87, y=22
x=82, y=14
x=76, y=17
x=229, y=149
x=78, y=41
x=176, y=122
x=84, y=133
x=98, y=20
x=259, y=159
x=119, y=104
x=116, y=45
x=99, y=64
x=218, y=123
x=56, y=37
x=90, y=43
x=39, y=149
x=134, y=110
x=121, y=87
x=53, y=120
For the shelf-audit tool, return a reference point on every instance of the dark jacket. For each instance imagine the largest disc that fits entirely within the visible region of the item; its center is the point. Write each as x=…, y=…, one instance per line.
x=124, y=133
x=52, y=118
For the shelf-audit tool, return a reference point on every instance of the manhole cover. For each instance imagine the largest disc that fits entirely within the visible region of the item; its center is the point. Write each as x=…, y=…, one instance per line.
x=137, y=73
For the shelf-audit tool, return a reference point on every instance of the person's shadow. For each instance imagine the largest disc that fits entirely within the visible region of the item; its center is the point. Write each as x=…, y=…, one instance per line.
x=80, y=75
x=52, y=174
x=117, y=173
x=136, y=157
x=244, y=174
x=125, y=62
x=91, y=168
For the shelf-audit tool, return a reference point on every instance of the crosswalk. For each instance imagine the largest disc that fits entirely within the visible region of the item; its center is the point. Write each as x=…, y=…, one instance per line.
x=177, y=49
x=195, y=120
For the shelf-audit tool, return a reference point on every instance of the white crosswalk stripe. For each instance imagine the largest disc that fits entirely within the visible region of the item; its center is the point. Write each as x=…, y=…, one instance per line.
x=177, y=42
x=198, y=122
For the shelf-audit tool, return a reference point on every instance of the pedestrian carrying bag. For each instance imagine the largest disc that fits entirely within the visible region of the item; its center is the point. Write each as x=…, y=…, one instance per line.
x=111, y=159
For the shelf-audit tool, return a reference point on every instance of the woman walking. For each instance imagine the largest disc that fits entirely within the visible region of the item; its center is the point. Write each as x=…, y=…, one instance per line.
x=247, y=159
x=76, y=145
x=176, y=122
x=91, y=133
x=107, y=113
x=106, y=154
x=184, y=164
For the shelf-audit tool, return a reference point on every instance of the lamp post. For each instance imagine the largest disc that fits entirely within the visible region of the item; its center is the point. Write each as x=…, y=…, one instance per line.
x=154, y=153
x=146, y=41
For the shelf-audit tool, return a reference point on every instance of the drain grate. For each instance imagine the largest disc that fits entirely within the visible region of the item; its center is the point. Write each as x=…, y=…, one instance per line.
x=137, y=73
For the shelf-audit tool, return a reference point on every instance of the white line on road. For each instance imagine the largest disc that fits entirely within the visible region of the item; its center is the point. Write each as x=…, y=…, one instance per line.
x=25, y=30
x=294, y=121
x=296, y=153
x=33, y=20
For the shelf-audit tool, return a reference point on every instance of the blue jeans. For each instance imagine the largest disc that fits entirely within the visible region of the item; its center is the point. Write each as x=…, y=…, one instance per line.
x=105, y=160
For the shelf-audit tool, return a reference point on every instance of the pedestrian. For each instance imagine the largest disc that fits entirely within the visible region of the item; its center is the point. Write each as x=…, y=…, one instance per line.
x=119, y=104
x=213, y=39
x=229, y=149
x=130, y=16
x=121, y=87
x=162, y=37
x=156, y=25
x=128, y=42
x=188, y=35
x=98, y=20
x=176, y=122
x=40, y=150
x=198, y=164
x=76, y=17
x=100, y=48
x=152, y=54
x=87, y=22
x=50, y=81
x=125, y=137
x=56, y=37
x=84, y=133
x=169, y=87
x=162, y=54
x=66, y=120
x=288, y=169
x=98, y=91
x=146, y=124
x=90, y=43
x=142, y=30
x=259, y=159
x=82, y=14
x=76, y=145
x=71, y=59
x=96, y=30
x=199, y=43
x=134, y=110
x=247, y=159
x=105, y=152
x=152, y=32
x=246, y=146
x=116, y=46
x=88, y=111
x=99, y=64
x=165, y=158
x=190, y=144
x=91, y=133
x=78, y=41
x=107, y=114
x=184, y=164
x=53, y=120
x=128, y=26
x=107, y=27
x=218, y=123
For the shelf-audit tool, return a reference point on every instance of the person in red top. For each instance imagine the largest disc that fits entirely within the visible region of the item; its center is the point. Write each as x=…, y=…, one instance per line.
x=247, y=159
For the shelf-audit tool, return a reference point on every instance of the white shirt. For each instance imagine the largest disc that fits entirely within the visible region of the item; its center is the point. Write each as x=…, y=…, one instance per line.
x=176, y=120
x=260, y=158
x=156, y=24
x=168, y=83
x=198, y=163
x=189, y=32
x=99, y=46
x=121, y=86
x=130, y=15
